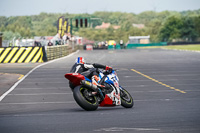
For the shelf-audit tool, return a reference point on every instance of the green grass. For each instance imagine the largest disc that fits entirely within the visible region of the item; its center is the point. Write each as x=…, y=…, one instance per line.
x=179, y=47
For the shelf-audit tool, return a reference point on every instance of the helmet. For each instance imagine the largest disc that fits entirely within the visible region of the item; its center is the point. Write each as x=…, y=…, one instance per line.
x=80, y=60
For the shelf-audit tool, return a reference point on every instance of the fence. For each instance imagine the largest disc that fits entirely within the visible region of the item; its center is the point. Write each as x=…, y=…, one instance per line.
x=54, y=52
x=133, y=46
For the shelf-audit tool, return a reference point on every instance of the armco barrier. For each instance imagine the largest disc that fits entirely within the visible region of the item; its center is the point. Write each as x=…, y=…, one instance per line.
x=22, y=54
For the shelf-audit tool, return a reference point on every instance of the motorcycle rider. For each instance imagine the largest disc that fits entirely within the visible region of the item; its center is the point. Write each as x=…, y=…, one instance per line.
x=89, y=70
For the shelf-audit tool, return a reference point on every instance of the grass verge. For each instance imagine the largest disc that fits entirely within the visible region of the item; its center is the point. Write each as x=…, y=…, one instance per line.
x=179, y=47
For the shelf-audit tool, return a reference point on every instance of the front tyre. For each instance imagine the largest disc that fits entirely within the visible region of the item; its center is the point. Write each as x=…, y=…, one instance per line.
x=126, y=99
x=84, y=98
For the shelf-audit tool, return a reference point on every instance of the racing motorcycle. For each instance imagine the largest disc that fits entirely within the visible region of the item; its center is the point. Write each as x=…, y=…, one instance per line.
x=89, y=96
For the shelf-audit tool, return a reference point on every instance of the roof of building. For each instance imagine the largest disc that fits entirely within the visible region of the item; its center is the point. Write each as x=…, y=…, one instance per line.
x=103, y=26
x=140, y=26
x=106, y=25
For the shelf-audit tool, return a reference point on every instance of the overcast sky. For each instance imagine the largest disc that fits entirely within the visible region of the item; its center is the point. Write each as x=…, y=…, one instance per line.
x=34, y=7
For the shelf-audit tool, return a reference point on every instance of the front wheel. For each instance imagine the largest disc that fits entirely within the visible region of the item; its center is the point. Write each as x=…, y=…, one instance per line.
x=83, y=97
x=126, y=99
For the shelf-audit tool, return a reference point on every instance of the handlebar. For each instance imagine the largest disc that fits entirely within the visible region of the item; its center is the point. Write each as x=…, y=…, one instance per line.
x=107, y=72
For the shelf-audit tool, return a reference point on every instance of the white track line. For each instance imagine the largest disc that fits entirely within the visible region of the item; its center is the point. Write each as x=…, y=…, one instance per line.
x=19, y=81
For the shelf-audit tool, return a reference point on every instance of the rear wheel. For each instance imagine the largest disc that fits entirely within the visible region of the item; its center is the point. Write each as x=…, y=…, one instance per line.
x=85, y=99
x=126, y=99
x=71, y=85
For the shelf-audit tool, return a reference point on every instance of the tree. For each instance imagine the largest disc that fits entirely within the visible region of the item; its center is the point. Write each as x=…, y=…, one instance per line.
x=146, y=17
x=9, y=35
x=126, y=26
x=197, y=24
x=3, y=21
x=188, y=31
x=153, y=29
x=171, y=29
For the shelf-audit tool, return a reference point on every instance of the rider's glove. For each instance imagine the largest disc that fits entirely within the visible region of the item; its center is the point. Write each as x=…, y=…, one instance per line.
x=109, y=69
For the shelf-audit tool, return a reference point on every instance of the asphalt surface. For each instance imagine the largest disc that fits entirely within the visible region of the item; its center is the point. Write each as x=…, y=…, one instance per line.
x=164, y=84
x=10, y=73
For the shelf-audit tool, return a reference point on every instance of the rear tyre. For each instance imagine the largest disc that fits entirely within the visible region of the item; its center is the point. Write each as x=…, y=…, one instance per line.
x=126, y=99
x=84, y=98
x=71, y=85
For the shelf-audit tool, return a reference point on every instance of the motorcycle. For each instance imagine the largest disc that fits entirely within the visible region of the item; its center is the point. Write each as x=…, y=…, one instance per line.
x=89, y=96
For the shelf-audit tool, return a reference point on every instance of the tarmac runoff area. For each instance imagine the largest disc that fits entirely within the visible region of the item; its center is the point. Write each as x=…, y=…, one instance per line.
x=10, y=73
x=7, y=80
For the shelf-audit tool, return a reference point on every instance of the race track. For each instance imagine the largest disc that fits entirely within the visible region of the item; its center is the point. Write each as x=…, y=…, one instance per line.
x=165, y=85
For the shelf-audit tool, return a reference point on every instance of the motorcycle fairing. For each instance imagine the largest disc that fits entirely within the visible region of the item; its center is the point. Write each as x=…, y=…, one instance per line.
x=75, y=78
x=114, y=96
x=107, y=101
x=87, y=79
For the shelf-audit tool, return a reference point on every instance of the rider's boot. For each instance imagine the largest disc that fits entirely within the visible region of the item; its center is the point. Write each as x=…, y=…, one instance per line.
x=95, y=80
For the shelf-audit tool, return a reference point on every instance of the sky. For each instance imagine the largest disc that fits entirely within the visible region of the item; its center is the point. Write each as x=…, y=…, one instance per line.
x=34, y=7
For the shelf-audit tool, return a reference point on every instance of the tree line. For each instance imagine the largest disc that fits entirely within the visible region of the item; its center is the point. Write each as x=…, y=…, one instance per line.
x=165, y=26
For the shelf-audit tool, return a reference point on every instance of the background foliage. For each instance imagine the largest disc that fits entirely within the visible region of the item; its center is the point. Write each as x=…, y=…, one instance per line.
x=161, y=26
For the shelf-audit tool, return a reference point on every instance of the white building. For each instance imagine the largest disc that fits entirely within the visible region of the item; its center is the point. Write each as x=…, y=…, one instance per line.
x=139, y=39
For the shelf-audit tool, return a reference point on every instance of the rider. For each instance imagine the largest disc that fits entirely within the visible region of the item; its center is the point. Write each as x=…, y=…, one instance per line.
x=89, y=70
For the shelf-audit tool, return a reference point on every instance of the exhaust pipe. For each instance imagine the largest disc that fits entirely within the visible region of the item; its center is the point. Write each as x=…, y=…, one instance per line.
x=89, y=85
x=93, y=87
